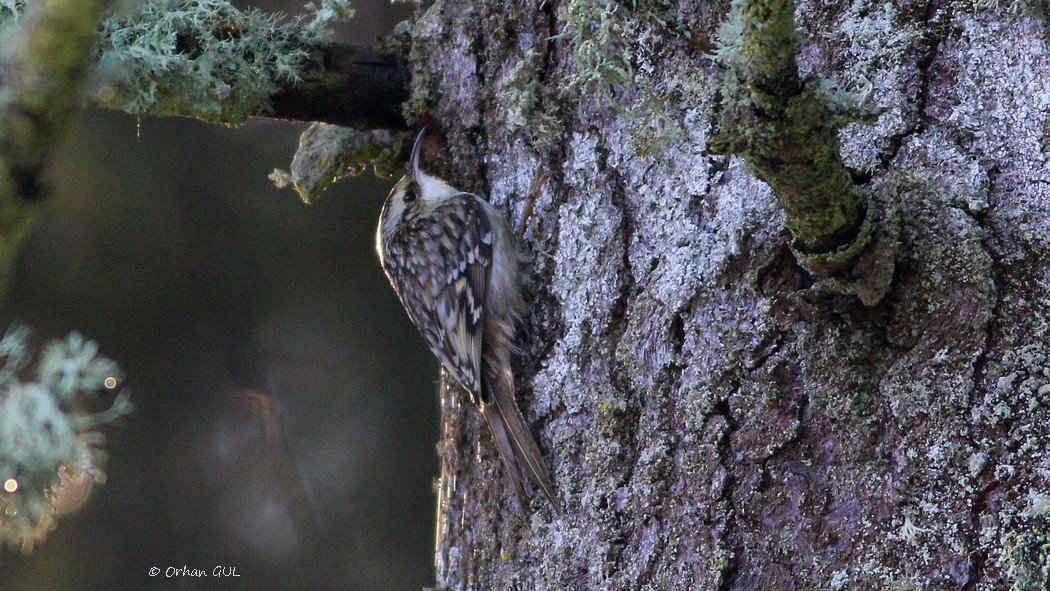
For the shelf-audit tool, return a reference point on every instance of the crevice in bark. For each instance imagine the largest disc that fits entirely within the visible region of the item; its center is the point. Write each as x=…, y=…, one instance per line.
x=619, y=376
x=627, y=281
x=981, y=363
x=784, y=447
x=980, y=504
x=766, y=349
x=545, y=302
x=935, y=20
x=730, y=572
x=979, y=559
x=480, y=139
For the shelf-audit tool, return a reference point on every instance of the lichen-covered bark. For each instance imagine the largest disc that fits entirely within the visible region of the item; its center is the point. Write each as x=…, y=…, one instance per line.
x=711, y=420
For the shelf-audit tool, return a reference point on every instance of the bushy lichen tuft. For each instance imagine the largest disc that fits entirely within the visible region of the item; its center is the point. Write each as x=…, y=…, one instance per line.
x=612, y=45
x=47, y=424
x=614, y=49
x=73, y=365
x=206, y=58
x=10, y=11
x=525, y=100
x=597, y=34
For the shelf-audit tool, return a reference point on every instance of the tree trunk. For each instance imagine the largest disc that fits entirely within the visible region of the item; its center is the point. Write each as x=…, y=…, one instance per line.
x=711, y=420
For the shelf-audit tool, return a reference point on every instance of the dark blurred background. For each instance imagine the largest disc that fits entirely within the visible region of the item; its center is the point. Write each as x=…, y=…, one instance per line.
x=286, y=413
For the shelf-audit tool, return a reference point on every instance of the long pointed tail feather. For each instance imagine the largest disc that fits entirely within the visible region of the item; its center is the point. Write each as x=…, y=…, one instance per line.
x=516, y=445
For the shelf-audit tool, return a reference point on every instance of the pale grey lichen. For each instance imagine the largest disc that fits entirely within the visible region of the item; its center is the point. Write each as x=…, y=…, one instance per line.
x=526, y=101
x=206, y=58
x=46, y=425
x=909, y=532
x=1038, y=504
x=840, y=580
x=1037, y=8
x=9, y=9
x=612, y=45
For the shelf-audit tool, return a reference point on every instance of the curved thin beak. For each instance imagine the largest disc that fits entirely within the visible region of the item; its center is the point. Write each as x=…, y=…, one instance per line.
x=414, y=159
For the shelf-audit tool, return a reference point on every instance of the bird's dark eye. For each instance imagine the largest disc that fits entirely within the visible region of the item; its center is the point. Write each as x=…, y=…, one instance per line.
x=410, y=196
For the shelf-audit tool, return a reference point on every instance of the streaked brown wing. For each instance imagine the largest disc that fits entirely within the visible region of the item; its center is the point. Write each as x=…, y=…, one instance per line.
x=449, y=256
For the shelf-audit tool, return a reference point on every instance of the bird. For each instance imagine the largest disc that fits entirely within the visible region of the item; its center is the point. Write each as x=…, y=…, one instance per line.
x=456, y=268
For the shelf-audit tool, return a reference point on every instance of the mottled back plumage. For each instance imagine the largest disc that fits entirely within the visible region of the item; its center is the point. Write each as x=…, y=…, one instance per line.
x=454, y=265
x=443, y=279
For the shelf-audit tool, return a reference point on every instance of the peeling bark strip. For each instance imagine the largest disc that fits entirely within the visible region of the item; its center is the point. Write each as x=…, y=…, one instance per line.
x=353, y=86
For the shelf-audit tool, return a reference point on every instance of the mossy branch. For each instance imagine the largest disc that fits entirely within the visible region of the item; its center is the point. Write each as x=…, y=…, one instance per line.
x=793, y=143
x=770, y=44
x=789, y=136
x=43, y=65
x=845, y=235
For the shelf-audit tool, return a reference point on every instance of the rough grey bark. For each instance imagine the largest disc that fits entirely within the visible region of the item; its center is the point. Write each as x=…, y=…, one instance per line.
x=712, y=422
